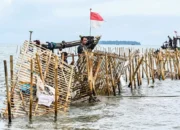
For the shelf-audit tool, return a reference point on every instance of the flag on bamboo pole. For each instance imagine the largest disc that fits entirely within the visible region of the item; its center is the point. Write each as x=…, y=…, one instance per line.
x=96, y=20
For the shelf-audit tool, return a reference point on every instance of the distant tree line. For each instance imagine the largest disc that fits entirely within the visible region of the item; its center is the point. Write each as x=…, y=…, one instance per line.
x=120, y=42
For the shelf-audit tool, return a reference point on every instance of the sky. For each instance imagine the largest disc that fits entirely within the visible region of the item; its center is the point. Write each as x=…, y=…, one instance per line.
x=145, y=21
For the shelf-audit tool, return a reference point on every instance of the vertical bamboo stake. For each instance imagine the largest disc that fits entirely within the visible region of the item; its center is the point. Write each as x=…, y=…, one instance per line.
x=31, y=91
x=11, y=67
x=177, y=61
x=12, y=82
x=56, y=86
x=175, y=69
x=39, y=67
x=125, y=69
x=88, y=71
x=107, y=75
x=91, y=74
x=170, y=62
x=133, y=73
x=152, y=66
x=7, y=91
x=62, y=56
x=161, y=65
x=147, y=75
x=113, y=84
x=142, y=66
x=149, y=61
x=130, y=67
x=138, y=80
x=133, y=76
x=166, y=62
x=157, y=65
x=139, y=75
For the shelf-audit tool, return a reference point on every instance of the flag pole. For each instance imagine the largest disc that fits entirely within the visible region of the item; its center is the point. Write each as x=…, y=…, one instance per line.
x=90, y=23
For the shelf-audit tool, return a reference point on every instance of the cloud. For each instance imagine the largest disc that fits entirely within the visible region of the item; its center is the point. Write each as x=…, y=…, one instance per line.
x=77, y=8
x=138, y=7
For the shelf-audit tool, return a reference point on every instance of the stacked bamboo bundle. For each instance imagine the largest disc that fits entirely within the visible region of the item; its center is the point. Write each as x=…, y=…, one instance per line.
x=153, y=65
x=35, y=61
x=98, y=73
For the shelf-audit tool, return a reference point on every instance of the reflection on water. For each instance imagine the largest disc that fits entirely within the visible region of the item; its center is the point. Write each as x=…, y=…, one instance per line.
x=156, y=111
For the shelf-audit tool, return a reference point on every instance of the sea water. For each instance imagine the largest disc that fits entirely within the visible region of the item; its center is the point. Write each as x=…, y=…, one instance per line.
x=151, y=108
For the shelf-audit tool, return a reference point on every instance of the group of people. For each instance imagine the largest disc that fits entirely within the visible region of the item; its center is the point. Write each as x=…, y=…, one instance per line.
x=171, y=44
x=81, y=48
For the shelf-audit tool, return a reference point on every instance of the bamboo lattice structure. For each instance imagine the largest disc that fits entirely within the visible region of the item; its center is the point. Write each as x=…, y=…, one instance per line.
x=44, y=67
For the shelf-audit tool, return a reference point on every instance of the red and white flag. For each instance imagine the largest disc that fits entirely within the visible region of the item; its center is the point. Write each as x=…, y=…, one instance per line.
x=96, y=20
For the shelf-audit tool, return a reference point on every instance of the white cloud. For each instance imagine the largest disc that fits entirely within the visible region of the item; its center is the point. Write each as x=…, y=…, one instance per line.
x=139, y=7
x=69, y=8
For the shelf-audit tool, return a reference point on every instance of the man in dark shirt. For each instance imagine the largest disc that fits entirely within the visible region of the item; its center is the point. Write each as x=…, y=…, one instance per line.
x=82, y=47
x=170, y=41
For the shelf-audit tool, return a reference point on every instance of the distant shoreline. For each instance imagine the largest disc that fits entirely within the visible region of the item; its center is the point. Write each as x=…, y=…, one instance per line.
x=119, y=43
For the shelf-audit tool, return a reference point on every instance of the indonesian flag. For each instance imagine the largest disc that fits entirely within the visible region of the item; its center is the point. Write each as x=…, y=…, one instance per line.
x=96, y=20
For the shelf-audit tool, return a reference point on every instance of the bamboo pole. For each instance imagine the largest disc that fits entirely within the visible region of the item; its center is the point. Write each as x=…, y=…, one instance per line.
x=138, y=80
x=125, y=69
x=175, y=69
x=158, y=66
x=170, y=62
x=149, y=62
x=152, y=66
x=56, y=86
x=133, y=76
x=177, y=61
x=47, y=65
x=7, y=91
x=130, y=69
x=133, y=84
x=107, y=75
x=88, y=71
x=39, y=67
x=147, y=75
x=112, y=78
x=31, y=91
x=11, y=68
x=12, y=82
x=91, y=74
x=161, y=66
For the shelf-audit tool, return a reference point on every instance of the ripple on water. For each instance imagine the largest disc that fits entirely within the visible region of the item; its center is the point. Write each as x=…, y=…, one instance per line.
x=112, y=112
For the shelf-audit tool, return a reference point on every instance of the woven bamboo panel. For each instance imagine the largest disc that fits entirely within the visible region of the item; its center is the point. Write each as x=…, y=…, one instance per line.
x=44, y=67
x=104, y=73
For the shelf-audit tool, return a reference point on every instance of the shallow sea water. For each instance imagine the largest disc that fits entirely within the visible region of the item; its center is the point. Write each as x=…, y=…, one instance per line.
x=154, y=108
